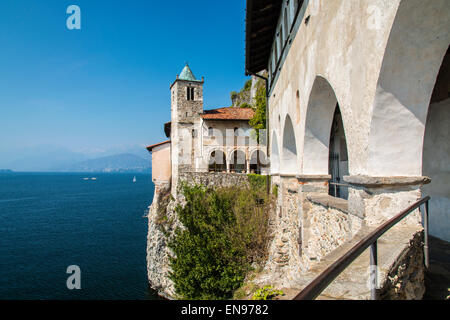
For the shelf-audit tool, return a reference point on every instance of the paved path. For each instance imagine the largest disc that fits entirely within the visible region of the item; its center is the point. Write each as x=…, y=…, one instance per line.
x=437, y=278
x=352, y=284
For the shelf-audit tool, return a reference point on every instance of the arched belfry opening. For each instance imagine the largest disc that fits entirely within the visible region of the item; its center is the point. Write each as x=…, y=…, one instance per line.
x=436, y=153
x=217, y=162
x=338, y=157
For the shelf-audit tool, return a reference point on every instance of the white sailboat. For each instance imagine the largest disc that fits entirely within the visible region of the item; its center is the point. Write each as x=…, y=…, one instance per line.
x=134, y=179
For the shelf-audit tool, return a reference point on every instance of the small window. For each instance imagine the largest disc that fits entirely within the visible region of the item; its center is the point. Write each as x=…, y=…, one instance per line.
x=286, y=24
x=276, y=49
x=210, y=131
x=280, y=41
x=190, y=94
x=297, y=4
x=270, y=68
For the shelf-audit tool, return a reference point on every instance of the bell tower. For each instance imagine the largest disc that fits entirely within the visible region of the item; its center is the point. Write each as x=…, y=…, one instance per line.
x=186, y=107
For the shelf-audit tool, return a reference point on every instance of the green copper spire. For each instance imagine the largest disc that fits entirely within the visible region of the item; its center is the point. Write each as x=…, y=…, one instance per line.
x=187, y=74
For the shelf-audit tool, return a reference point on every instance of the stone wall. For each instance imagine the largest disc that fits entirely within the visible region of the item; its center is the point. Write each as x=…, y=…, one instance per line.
x=308, y=225
x=285, y=256
x=213, y=180
x=406, y=278
x=326, y=225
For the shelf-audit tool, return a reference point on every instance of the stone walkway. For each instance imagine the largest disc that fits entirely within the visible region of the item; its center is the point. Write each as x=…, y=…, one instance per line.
x=352, y=284
x=437, y=277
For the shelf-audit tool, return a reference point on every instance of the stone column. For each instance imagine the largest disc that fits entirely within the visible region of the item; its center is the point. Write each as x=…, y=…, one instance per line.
x=377, y=199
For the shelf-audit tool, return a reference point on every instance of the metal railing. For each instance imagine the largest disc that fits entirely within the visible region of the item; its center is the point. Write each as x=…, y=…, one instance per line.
x=336, y=188
x=318, y=285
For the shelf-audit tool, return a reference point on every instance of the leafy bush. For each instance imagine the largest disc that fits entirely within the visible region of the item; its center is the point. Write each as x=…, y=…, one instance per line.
x=248, y=85
x=258, y=121
x=245, y=105
x=267, y=293
x=225, y=231
x=275, y=191
x=257, y=181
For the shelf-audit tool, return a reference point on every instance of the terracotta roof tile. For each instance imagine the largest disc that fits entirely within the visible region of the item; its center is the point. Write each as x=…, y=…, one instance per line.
x=229, y=113
x=150, y=148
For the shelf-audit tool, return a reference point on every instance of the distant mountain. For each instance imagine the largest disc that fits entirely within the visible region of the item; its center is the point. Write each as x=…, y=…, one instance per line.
x=125, y=162
x=6, y=171
x=41, y=158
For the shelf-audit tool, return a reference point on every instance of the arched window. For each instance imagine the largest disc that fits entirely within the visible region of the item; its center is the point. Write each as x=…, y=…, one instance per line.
x=338, y=157
x=238, y=162
x=217, y=162
x=258, y=161
x=286, y=24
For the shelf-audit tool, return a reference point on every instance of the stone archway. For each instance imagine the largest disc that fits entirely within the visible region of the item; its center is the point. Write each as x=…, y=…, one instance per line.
x=436, y=153
x=416, y=47
x=417, y=44
x=319, y=119
x=289, y=159
x=258, y=162
x=238, y=162
x=217, y=161
x=338, y=157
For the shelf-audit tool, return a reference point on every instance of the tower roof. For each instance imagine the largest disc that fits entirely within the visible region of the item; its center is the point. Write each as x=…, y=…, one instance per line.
x=187, y=74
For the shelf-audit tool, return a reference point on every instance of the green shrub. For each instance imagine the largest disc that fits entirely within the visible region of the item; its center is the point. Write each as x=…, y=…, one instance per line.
x=258, y=121
x=275, y=191
x=267, y=293
x=257, y=181
x=225, y=231
x=248, y=85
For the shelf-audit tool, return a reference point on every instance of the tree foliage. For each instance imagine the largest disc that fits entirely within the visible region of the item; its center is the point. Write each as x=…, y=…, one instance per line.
x=258, y=122
x=224, y=232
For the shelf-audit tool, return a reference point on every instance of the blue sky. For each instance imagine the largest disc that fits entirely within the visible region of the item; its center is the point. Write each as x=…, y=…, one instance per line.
x=106, y=86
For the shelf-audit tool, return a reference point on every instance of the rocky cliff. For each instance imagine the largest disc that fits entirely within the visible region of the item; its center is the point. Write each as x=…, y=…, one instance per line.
x=162, y=223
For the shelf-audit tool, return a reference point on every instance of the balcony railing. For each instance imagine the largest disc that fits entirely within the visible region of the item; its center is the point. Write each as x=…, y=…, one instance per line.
x=318, y=285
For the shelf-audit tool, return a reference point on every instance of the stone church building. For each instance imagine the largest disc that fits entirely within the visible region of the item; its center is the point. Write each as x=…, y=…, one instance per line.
x=358, y=130
x=204, y=141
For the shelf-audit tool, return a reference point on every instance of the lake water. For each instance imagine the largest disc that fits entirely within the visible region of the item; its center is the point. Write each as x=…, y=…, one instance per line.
x=49, y=221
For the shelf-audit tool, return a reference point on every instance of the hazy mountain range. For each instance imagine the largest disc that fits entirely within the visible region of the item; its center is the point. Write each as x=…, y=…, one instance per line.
x=126, y=162
x=51, y=158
